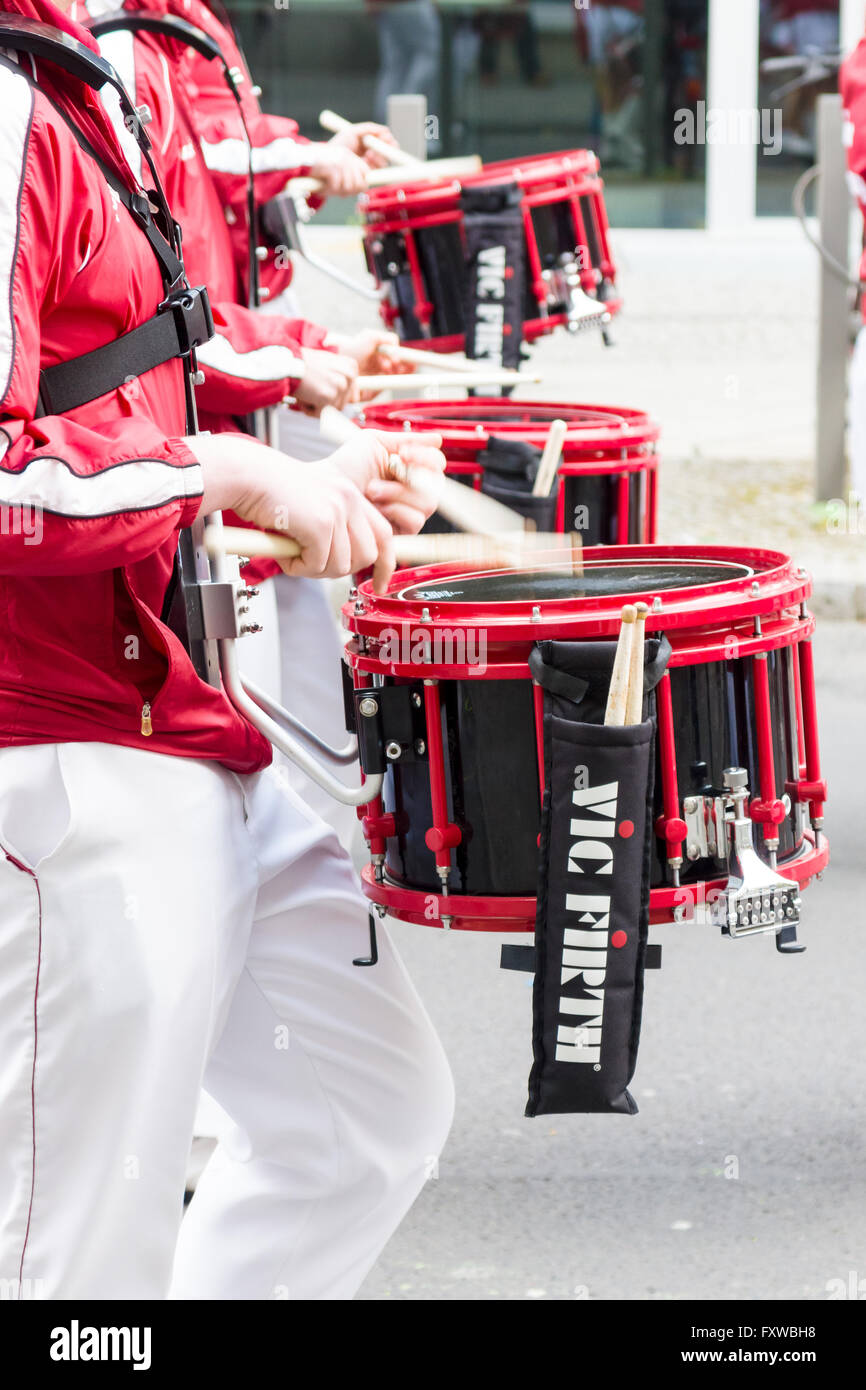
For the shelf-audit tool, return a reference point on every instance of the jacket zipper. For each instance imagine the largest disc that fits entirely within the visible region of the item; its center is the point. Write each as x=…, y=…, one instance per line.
x=147, y=619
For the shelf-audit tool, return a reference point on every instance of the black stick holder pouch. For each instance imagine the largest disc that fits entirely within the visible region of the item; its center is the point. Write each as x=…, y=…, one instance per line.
x=510, y=466
x=593, y=882
x=495, y=260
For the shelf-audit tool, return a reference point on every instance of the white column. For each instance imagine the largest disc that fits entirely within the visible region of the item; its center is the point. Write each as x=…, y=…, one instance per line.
x=852, y=23
x=732, y=85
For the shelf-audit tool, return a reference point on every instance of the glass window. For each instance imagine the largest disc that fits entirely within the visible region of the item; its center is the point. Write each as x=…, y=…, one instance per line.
x=505, y=80
x=795, y=35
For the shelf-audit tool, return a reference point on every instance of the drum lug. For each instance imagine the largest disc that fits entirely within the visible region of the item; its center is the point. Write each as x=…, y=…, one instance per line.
x=390, y=724
x=757, y=899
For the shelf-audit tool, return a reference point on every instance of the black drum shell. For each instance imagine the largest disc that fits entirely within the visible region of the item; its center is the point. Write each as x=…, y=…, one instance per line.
x=491, y=769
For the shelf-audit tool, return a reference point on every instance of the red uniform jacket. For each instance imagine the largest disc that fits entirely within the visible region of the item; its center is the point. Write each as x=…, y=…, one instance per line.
x=91, y=502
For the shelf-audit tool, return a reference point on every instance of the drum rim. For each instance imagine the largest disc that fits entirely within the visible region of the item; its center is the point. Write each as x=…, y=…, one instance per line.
x=698, y=610
x=615, y=425
x=512, y=913
x=417, y=190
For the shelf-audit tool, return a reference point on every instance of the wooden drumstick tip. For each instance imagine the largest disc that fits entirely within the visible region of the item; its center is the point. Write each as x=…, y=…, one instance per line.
x=634, y=700
x=615, y=713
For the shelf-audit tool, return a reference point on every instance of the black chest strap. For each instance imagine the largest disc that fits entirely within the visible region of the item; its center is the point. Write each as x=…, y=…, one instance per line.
x=182, y=323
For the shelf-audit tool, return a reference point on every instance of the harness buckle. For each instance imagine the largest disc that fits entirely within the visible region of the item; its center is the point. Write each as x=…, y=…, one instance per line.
x=192, y=317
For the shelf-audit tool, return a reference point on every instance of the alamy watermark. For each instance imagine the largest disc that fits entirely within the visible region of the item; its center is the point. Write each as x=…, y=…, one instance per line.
x=761, y=127
x=418, y=646
x=846, y=518
x=21, y=519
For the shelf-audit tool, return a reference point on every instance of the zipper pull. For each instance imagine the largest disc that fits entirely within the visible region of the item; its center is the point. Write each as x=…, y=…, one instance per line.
x=146, y=724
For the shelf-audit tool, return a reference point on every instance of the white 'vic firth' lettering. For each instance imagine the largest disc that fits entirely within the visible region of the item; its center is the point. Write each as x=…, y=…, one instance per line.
x=491, y=273
x=584, y=951
x=490, y=309
x=601, y=803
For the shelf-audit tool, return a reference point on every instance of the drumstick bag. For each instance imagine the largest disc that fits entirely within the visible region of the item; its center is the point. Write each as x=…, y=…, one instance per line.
x=495, y=275
x=510, y=462
x=510, y=466
x=593, y=882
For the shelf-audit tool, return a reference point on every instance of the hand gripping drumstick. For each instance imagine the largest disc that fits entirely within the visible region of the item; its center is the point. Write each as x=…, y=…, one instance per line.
x=329, y=120
x=465, y=508
x=618, y=696
x=425, y=171
x=550, y=459
x=634, y=704
x=494, y=551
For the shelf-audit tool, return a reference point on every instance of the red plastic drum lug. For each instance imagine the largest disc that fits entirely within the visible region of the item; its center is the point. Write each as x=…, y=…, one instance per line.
x=673, y=830
x=810, y=731
x=379, y=827
x=442, y=837
x=768, y=812
x=807, y=791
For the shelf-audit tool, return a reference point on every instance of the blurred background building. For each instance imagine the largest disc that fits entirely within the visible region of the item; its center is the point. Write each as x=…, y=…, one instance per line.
x=503, y=80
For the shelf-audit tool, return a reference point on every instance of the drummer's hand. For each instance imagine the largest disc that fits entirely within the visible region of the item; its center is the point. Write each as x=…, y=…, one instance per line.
x=367, y=461
x=366, y=349
x=339, y=531
x=341, y=172
x=329, y=379
x=352, y=138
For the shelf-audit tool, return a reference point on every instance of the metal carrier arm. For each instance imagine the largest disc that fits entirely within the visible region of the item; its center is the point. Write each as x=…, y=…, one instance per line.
x=221, y=610
x=283, y=218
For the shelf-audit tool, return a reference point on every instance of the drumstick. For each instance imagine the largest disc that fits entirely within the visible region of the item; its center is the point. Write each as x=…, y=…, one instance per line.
x=465, y=508
x=501, y=551
x=550, y=459
x=480, y=376
x=329, y=120
x=425, y=171
x=634, y=704
x=417, y=357
x=618, y=695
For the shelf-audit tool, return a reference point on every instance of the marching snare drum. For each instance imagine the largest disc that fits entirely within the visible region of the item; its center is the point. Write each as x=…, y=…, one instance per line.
x=608, y=476
x=445, y=701
x=415, y=246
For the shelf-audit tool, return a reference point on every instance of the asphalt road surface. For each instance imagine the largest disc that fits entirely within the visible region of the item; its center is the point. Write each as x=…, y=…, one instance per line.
x=742, y=1176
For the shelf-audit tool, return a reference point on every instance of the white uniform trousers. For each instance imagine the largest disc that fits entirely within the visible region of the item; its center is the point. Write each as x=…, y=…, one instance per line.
x=164, y=925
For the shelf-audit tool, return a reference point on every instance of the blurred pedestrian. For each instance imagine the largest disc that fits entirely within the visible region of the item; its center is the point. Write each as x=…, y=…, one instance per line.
x=512, y=21
x=611, y=32
x=410, y=51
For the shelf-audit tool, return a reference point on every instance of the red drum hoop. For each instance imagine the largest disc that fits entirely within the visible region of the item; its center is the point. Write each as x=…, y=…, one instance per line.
x=609, y=462
x=413, y=241
x=739, y=690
